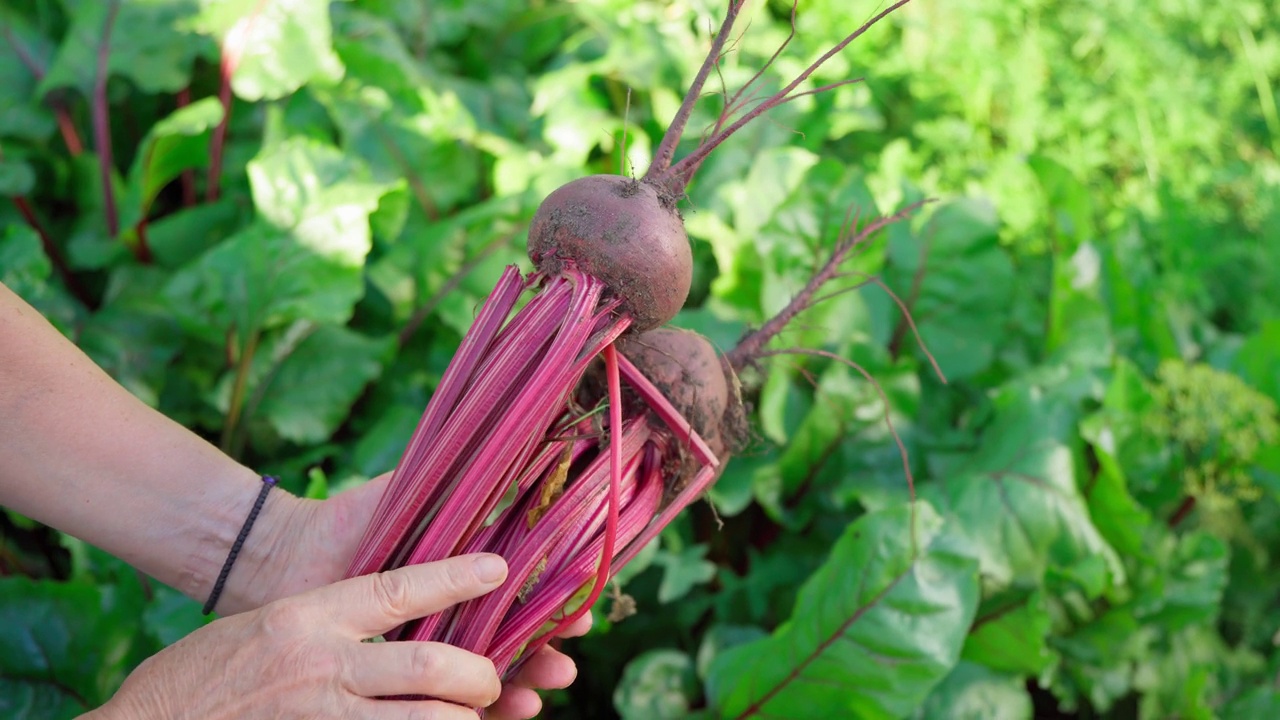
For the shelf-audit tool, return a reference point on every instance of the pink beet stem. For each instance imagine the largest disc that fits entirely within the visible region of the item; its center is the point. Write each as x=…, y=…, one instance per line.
x=569, y=568
x=615, y=480
x=373, y=546
x=581, y=497
x=700, y=482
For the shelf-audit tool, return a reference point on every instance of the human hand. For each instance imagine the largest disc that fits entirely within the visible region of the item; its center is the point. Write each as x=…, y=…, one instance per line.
x=311, y=542
x=303, y=656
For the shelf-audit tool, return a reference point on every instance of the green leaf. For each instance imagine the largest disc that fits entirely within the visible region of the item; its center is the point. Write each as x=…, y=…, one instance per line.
x=1258, y=702
x=62, y=646
x=318, y=191
x=16, y=177
x=1079, y=330
x=1012, y=638
x=26, y=270
x=958, y=282
x=133, y=337
x=262, y=278
x=683, y=571
x=312, y=391
x=1258, y=359
x=974, y=692
x=873, y=630
x=1068, y=198
x=263, y=34
x=24, y=267
x=1184, y=582
x=178, y=142
x=145, y=42
x=304, y=262
x=24, y=55
x=720, y=638
x=171, y=616
x=656, y=685
x=317, y=485
x=1016, y=501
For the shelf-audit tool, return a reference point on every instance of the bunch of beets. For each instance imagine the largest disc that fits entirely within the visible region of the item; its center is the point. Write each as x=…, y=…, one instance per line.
x=564, y=436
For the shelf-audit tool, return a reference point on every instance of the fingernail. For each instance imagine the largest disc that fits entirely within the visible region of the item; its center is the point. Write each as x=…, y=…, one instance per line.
x=490, y=568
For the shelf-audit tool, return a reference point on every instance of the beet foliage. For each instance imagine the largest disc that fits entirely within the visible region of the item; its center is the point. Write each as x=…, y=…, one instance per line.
x=287, y=261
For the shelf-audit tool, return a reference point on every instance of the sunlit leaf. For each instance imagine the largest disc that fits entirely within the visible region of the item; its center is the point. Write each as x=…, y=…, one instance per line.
x=873, y=630
x=142, y=40
x=279, y=46
x=1016, y=500
x=957, y=281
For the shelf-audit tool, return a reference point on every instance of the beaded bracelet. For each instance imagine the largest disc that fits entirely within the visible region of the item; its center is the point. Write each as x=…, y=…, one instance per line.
x=268, y=482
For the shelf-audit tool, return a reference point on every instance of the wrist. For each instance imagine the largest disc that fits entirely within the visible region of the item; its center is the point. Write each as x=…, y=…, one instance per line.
x=263, y=556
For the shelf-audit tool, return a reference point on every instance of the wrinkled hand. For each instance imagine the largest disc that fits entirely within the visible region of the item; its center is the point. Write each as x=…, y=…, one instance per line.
x=303, y=656
x=314, y=542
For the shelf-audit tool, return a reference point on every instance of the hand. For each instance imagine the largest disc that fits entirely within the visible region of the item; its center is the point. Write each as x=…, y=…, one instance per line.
x=303, y=656
x=313, y=541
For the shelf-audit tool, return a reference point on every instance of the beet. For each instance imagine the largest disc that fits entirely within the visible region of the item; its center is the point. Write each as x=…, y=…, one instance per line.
x=684, y=366
x=623, y=231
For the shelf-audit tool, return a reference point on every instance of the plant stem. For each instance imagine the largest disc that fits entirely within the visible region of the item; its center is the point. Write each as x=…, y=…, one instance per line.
x=51, y=251
x=213, y=182
x=1184, y=509
x=188, y=175
x=102, y=122
x=681, y=171
x=615, y=482
x=230, y=429
x=753, y=345
x=917, y=281
x=66, y=127
x=232, y=47
x=667, y=147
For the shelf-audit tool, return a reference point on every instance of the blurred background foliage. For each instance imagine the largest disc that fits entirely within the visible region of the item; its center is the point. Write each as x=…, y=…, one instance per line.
x=1098, y=479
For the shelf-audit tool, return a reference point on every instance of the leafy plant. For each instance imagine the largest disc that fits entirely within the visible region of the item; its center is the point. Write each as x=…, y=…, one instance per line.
x=274, y=221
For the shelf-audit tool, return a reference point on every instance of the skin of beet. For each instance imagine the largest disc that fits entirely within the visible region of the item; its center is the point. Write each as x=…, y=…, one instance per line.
x=625, y=232
x=686, y=368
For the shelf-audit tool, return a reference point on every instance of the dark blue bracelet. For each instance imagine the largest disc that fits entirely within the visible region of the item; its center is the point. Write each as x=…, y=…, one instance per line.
x=268, y=482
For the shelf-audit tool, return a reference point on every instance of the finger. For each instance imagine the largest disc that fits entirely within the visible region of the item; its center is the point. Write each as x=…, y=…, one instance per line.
x=548, y=669
x=435, y=669
x=516, y=703
x=372, y=604
x=402, y=709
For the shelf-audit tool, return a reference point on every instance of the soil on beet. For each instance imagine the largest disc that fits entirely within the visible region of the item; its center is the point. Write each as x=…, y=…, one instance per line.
x=625, y=232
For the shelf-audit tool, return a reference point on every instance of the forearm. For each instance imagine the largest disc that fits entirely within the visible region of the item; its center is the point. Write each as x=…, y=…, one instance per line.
x=78, y=452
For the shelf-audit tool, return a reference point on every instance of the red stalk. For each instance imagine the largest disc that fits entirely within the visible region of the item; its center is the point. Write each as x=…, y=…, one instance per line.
x=232, y=47
x=571, y=567
x=51, y=251
x=615, y=480
x=102, y=122
x=66, y=127
x=574, y=514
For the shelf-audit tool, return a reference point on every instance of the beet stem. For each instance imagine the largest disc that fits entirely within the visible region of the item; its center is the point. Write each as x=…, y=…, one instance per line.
x=752, y=346
x=52, y=252
x=680, y=173
x=615, y=483
x=667, y=147
x=231, y=52
x=102, y=122
x=65, y=125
